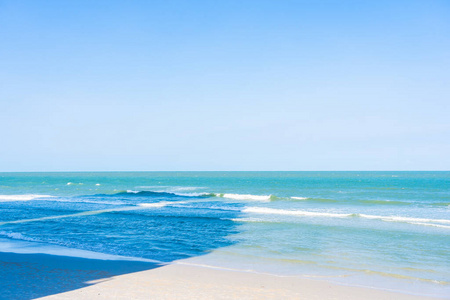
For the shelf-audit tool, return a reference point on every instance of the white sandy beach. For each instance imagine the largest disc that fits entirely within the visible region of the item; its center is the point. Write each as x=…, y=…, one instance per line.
x=44, y=276
x=191, y=282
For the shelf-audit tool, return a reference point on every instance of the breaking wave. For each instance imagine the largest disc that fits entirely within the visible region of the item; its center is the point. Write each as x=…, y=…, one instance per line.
x=90, y=213
x=16, y=236
x=416, y=221
x=25, y=197
x=133, y=193
x=246, y=197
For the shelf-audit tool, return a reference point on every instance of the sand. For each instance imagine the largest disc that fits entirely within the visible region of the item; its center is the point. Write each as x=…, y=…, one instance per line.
x=30, y=276
x=188, y=282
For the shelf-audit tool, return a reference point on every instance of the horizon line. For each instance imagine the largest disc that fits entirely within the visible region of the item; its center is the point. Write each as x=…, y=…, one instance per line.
x=186, y=171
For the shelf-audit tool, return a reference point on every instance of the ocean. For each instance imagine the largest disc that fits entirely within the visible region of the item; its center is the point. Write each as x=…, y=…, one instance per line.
x=386, y=230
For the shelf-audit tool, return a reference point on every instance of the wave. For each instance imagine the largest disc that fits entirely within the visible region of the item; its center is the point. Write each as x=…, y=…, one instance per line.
x=90, y=213
x=273, y=211
x=442, y=204
x=130, y=192
x=16, y=236
x=158, y=204
x=404, y=219
x=170, y=189
x=254, y=220
x=416, y=221
x=386, y=202
x=246, y=197
x=249, y=197
x=77, y=200
x=107, y=199
x=25, y=197
x=27, y=245
x=318, y=200
x=376, y=202
x=203, y=195
x=183, y=191
x=326, y=200
x=133, y=193
x=430, y=224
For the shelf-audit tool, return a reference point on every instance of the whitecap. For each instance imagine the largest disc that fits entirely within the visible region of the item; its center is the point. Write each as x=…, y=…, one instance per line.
x=157, y=204
x=132, y=192
x=89, y=213
x=409, y=220
x=192, y=194
x=245, y=197
x=16, y=236
x=404, y=219
x=273, y=211
x=25, y=197
x=300, y=198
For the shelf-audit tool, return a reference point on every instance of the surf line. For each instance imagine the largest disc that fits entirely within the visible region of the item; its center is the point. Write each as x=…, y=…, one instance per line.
x=94, y=212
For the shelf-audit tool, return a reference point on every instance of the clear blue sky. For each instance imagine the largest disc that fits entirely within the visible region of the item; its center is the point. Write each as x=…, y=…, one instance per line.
x=224, y=85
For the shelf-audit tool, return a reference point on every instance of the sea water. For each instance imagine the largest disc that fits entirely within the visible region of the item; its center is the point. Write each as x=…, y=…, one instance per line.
x=388, y=230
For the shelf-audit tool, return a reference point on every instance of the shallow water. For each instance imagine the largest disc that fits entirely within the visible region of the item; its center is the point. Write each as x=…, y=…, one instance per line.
x=387, y=230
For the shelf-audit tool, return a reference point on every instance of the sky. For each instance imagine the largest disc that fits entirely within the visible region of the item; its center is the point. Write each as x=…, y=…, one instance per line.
x=224, y=85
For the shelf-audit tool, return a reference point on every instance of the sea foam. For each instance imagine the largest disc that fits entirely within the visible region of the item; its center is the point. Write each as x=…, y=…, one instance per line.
x=25, y=197
x=158, y=204
x=245, y=197
x=410, y=220
x=272, y=211
x=299, y=198
x=17, y=243
x=90, y=213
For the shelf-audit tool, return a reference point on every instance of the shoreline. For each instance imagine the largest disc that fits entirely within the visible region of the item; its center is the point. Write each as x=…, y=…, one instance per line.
x=34, y=275
x=45, y=276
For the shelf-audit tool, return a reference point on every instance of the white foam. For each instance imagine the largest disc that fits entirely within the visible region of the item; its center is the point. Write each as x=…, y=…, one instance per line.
x=23, y=245
x=16, y=236
x=404, y=219
x=409, y=220
x=158, y=204
x=89, y=213
x=176, y=190
x=78, y=200
x=170, y=189
x=273, y=211
x=245, y=197
x=252, y=220
x=29, y=197
x=430, y=224
x=299, y=198
x=192, y=194
x=171, y=192
x=183, y=188
x=25, y=197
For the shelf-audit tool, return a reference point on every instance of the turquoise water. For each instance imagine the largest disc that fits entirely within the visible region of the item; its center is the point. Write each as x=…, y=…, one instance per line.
x=387, y=230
